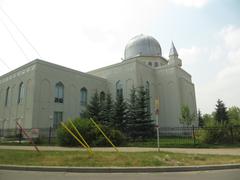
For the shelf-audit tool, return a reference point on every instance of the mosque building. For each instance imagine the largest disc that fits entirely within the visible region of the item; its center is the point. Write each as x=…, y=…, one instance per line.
x=42, y=94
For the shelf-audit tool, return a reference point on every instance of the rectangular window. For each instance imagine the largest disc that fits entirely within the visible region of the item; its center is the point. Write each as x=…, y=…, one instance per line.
x=83, y=100
x=83, y=96
x=59, y=93
x=57, y=118
x=119, y=92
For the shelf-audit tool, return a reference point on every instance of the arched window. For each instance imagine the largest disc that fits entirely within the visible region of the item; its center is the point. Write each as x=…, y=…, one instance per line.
x=119, y=88
x=102, y=96
x=83, y=96
x=147, y=88
x=150, y=63
x=155, y=64
x=59, y=92
x=7, y=96
x=20, y=93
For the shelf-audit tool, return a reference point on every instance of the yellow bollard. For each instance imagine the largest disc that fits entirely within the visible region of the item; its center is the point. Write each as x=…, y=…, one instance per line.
x=104, y=134
x=90, y=152
x=79, y=134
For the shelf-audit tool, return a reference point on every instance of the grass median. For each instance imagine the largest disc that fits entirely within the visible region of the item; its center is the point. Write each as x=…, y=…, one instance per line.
x=166, y=142
x=110, y=159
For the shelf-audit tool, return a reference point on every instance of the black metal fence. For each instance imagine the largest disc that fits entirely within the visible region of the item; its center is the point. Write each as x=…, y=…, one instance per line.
x=168, y=135
x=40, y=135
x=196, y=135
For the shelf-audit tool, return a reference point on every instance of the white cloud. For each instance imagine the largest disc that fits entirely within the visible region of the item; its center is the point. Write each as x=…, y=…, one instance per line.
x=191, y=3
x=231, y=37
x=226, y=84
x=216, y=69
x=83, y=35
x=191, y=55
x=217, y=54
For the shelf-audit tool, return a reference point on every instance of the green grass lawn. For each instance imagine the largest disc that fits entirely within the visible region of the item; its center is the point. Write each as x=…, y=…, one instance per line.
x=178, y=142
x=164, y=142
x=110, y=159
x=168, y=142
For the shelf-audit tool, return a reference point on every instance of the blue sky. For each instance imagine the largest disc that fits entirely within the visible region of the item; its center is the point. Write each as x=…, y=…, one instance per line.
x=86, y=35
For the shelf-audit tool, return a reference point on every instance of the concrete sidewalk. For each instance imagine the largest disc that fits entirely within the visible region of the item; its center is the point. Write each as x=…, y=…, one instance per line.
x=217, y=151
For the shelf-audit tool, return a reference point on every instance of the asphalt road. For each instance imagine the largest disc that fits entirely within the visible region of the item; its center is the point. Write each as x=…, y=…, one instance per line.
x=197, y=175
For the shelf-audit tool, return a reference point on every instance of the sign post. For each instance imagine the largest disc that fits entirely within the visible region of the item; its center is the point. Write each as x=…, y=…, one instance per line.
x=157, y=105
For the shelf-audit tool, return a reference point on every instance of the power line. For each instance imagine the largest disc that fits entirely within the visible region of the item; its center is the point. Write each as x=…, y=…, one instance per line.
x=12, y=36
x=16, y=42
x=21, y=49
x=15, y=25
x=4, y=63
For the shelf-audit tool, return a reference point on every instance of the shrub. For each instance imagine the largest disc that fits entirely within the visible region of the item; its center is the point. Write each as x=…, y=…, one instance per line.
x=90, y=133
x=218, y=135
x=117, y=137
x=64, y=138
x=212, y=135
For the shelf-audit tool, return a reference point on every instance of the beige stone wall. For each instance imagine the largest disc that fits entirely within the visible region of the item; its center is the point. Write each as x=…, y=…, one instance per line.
x=169, y=82
x=39, y=78
x=123, y=72
x=14, y=111
x=47, y=76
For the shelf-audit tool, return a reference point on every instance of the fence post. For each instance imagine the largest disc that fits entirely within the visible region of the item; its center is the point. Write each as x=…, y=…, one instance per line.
x=49, y=135
x=20, y=136
x=193, y=133
x=231, y=131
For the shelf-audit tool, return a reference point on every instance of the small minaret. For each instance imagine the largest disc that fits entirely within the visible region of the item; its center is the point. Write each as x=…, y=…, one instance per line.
x=173, y=56
x=173, y=52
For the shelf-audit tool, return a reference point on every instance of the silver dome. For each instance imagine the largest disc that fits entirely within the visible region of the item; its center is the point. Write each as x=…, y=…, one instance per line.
x=142, y=45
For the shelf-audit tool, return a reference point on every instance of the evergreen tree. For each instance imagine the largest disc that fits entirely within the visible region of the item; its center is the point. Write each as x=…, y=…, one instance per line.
x=94, y=107
x=102, y=113
x=200, y=119
x=132, y=112
x=221, y=115
x=107, y=111
x=120, y=111
x=142, y=126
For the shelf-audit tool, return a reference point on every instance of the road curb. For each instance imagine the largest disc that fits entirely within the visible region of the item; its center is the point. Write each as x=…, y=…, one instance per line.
x=119, y=169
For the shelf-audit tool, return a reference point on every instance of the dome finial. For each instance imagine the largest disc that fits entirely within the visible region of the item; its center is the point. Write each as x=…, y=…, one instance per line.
x=173, y=51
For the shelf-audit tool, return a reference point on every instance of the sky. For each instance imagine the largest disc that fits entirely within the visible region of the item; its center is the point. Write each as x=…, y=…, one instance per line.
x=86, y=35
